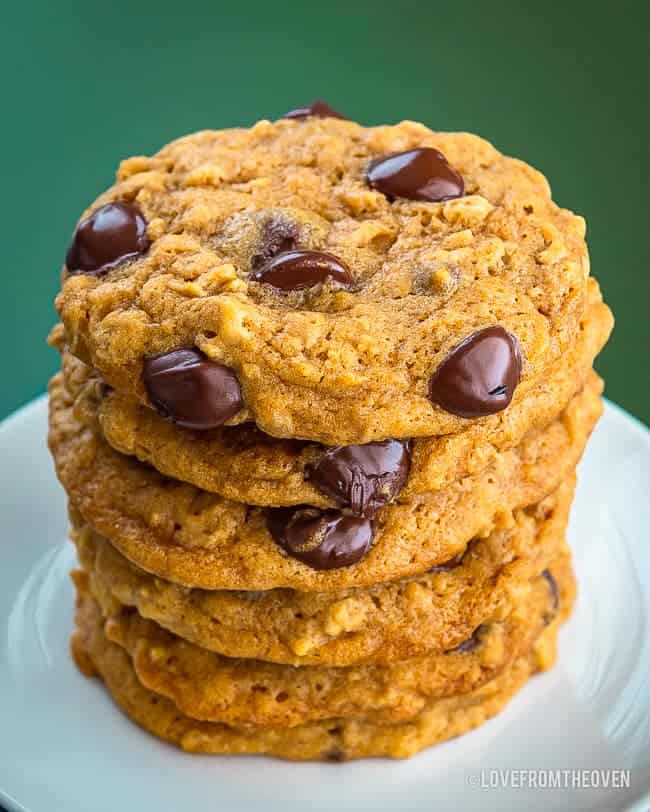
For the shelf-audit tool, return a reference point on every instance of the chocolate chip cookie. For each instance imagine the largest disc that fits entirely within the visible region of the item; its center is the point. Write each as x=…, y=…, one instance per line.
x=246, y=465
x=198, y=539
x=213, y=688
x=433, y=611
x=324, y=388
x=326, y=281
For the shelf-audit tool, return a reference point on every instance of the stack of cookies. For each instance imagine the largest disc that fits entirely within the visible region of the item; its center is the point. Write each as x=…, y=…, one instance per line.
x=323, y=392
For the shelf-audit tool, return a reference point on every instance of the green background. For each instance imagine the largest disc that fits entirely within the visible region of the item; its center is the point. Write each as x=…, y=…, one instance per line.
x=84, y=84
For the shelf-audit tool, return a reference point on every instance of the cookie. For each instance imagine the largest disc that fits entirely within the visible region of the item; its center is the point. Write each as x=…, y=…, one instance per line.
x=326, y=281
x=213, y=688
x=200, y=540
x=434, y=611
x=243, y=464
x=329, y=740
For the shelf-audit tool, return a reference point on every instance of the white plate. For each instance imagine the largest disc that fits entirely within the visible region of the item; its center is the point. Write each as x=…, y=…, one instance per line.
x=65, y=748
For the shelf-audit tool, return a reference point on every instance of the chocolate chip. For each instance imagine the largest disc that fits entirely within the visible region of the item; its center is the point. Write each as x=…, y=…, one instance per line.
x=470, y=644
x=363, y=477
x=193, y=391
x=451, y=564
x=417, y=174
x=104, y=390
x=552, y=585
x=479, y=376
x=324, y=540
x=295, y=270
x=318, y=108
x=334, y=754
x=278, y=236
x=111, y=235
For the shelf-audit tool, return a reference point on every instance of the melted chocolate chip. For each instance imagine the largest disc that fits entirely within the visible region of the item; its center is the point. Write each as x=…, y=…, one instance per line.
x=318, y=108
x=278, y=236
x=451, y=564
x=111, y=235
x=552, y=585
x=470, y=644
x=418, y=174
x=479, y=376
x=324, y=540
x=363, y=477
x=296, y=270
x=191, y=390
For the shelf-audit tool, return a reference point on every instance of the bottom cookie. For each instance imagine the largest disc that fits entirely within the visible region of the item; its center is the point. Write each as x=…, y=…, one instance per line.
x=332, y=740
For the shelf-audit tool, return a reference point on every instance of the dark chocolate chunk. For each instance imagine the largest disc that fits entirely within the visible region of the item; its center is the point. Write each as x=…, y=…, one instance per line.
x=470, y=644
x=323, y=540
x=450, y=564
x=295, y=270
x=192, y=390
x=552, y=585
x=278, y=236
x=417, y=174
x=318, y=108
x=111, y=235
x=334, y=754
x=363, y=477
x=480, y=375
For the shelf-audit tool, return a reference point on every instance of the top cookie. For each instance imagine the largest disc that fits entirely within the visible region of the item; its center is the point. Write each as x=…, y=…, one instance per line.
x=328, y=281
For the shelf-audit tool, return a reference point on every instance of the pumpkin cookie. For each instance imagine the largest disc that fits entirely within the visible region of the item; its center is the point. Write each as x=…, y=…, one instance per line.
x=246, y=465
x=431, y=612
x=326, y=281
x=199, y=539
x=213, y=688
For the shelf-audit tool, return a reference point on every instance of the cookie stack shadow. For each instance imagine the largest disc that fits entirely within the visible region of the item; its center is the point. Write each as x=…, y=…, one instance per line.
x=241, y=594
